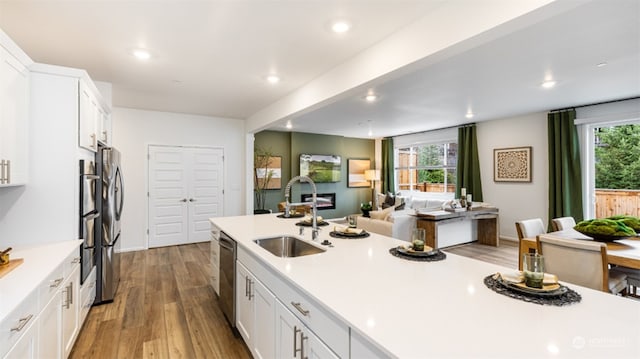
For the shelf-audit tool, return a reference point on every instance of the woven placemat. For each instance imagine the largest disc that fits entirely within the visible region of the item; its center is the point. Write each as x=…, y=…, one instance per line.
x=338, y=235
x=434, y=258
x=309, y=224
x=566, y=298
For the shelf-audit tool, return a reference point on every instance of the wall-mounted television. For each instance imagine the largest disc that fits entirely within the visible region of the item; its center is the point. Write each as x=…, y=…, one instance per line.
x=321, y=168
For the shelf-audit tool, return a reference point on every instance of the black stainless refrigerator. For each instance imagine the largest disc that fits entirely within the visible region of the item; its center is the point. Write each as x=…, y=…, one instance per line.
x=108, y=236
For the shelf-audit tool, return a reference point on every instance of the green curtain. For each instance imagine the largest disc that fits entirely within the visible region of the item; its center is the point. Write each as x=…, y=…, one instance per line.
x=565, y=173
x=388, y=184
x=468, y=167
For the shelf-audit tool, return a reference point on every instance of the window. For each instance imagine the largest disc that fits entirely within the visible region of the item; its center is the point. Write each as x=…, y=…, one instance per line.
x=427, y=167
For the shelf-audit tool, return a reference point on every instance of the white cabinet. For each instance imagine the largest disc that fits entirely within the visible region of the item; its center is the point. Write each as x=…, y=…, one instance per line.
x=89, y=117
x=14, y=113
x=70, y=299
x=27, y=346
x=255, y=313
x=215, y=259
x=104, y=127
x=87, y=296
x=49, y=342
x=296, y=340
x=16, y=325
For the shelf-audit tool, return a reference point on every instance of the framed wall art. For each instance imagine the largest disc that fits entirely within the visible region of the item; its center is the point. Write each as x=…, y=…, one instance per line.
x=355, y=169
x=512, y=164
x=321, y=168
x=272, y=173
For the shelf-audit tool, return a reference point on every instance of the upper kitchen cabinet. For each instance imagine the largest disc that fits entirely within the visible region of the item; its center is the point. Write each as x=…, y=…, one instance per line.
x=14, y=113
x=94, y=118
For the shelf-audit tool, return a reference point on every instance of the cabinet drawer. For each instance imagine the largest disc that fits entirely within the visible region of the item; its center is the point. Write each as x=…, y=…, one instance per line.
x=70, y=263
x=50, y=285
x=18, y=322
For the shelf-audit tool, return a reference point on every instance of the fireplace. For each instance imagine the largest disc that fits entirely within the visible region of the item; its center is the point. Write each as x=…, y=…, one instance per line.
x=325, y=200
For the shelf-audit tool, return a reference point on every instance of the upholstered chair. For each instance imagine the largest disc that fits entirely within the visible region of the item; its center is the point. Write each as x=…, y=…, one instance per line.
x=562, y=223
x=580, y=262
x=528, y=228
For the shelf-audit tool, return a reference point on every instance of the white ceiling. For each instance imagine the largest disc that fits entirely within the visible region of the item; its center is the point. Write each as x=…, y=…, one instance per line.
x=210, y=58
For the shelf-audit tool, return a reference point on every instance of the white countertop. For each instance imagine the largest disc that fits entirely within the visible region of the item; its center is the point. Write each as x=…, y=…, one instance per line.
x=39, y=262
x=441, y=309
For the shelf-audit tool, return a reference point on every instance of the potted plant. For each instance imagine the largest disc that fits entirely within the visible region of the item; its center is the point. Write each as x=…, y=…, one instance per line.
x=262, y=174
x=365, y=208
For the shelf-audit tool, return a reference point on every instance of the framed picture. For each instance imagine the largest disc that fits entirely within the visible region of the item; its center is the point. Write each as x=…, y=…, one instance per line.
x=321, y=168
x=355, y=172
x=272, y=171
x=512, y=164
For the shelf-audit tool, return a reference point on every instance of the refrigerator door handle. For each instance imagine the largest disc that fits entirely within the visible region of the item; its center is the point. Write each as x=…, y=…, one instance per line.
x=119, y=193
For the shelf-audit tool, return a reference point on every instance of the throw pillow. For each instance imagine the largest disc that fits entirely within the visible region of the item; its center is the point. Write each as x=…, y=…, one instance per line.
x=389, y=200
x=382, y=214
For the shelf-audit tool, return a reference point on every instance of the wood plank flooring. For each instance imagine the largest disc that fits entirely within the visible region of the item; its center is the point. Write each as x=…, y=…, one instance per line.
x=506, y=254
x=164, y=308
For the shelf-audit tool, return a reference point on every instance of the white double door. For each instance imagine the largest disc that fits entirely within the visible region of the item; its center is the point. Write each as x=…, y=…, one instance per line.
x=185, y=190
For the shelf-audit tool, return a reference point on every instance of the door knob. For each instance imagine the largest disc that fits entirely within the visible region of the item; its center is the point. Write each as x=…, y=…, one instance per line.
x=183, y=200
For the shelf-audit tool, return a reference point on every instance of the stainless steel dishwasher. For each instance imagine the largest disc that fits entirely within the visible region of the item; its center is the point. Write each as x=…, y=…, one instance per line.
x=228, y=277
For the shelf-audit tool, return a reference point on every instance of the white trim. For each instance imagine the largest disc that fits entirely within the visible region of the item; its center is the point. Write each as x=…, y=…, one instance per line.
x=446, y=135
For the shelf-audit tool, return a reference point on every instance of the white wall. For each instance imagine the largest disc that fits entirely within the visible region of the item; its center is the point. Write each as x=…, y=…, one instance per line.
x=134, y=130
x=516, y=201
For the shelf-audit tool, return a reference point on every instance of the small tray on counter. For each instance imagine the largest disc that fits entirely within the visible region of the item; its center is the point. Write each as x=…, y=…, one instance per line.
x=336, y=234
x=309, y=224
x=412, y=253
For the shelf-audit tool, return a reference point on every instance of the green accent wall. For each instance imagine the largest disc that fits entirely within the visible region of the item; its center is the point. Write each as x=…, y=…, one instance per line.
x=290, y=145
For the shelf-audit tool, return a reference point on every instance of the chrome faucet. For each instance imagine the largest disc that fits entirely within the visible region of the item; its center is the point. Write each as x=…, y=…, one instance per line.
x=314, y=203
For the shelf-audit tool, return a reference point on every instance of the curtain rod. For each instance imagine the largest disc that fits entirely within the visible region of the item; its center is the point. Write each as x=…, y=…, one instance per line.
x=594, y=104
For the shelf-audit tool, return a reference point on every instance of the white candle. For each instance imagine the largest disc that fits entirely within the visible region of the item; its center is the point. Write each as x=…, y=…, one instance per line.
x=463, y=192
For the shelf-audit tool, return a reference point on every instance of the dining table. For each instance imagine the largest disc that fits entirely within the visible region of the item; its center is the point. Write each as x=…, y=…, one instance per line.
x=622, y=252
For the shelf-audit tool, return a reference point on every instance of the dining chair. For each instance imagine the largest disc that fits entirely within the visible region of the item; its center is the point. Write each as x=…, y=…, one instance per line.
x=580, y=262
x=528, y=228
x=562, y=223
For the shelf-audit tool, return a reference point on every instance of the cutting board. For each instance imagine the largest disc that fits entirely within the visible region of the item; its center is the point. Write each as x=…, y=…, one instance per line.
x=13, y=264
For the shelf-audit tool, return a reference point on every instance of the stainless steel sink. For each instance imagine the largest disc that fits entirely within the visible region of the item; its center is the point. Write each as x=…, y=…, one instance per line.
x=287, y=246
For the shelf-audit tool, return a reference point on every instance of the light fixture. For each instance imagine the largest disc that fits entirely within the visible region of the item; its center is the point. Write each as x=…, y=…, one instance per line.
x=273, y=79
x=548, y=84
x=340, y=27
x=289, y=124
x=469, y=114
x=373, y=176
x=141, y=54
x=602, y=64
x=371, y=97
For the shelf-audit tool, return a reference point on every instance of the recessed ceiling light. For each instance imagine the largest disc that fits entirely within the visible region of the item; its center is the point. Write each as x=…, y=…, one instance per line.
x=141, y=54
x=289, y=124
x=602, y=64
x=548, y=84
x=371, y=97
x=340, y=27
x=469, y=114
x=273, y=79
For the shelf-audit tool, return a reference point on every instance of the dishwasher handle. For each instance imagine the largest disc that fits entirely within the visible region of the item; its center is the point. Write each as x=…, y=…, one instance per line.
x=226, y=242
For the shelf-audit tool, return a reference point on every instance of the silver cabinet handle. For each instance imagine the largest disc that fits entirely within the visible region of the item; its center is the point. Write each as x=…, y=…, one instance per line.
x=56, y=283
x=2, y=172
x=70, y=292
x=104, y=136
x=75, y=260
x=295, y=341
x=7, y=177
x=246, y=286
x=250, y=289
x=300, y=309
x=93, y=140
x=183, y=200
x=21, y=323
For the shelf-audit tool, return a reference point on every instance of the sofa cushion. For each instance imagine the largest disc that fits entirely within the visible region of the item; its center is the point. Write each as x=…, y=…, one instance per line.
x=381, y=214
x=389, y=200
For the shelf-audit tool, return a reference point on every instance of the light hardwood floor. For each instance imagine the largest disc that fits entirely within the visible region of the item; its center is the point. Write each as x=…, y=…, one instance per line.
x=165, y=307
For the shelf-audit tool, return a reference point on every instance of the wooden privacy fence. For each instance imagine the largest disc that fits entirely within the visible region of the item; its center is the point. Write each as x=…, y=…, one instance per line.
x=428, y=187
x=610, y=202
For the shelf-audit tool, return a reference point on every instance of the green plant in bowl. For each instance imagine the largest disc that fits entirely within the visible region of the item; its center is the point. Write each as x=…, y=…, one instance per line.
x=604, y=229
x=629, y=221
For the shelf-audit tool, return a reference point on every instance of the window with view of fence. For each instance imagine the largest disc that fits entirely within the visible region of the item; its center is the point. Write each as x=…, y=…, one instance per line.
x=427, y=168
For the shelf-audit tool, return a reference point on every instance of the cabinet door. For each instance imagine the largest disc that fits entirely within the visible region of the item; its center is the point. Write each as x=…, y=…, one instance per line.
x=104, y=126
x=70, y=298
x=14, y=106
x=294, y=340
x=27, y=346
x=264, y=320
x=87, y=119
x=244, y=304
x=49, y=339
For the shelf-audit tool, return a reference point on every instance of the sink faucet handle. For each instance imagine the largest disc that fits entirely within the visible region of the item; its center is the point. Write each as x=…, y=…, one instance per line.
x=301, y=230
x=314, y=233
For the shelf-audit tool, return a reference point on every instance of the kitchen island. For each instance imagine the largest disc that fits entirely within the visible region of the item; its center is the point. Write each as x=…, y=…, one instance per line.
x=398, y=308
